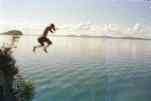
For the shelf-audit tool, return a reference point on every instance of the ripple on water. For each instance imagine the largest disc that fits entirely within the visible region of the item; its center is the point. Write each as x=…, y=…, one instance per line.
x=82, y=71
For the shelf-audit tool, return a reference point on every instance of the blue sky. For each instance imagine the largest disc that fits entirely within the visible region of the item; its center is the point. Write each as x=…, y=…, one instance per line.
x=124, y=13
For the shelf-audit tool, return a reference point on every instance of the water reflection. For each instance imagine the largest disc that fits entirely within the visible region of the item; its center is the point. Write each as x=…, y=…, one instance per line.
x=86, y=69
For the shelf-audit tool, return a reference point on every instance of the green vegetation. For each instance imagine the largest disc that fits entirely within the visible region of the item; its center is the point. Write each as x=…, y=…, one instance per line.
x=25, y=88
x=13, y=86
x=28, y=91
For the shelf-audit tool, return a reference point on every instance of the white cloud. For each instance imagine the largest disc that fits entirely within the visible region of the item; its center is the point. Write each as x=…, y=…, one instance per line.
x=137, y=30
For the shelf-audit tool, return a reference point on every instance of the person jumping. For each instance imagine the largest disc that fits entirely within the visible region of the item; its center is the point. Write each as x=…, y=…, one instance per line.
x=44, y=39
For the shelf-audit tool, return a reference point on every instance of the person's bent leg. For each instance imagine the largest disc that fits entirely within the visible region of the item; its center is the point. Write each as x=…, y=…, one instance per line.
x=40, y=40
x=35, y=47
x=48, y=44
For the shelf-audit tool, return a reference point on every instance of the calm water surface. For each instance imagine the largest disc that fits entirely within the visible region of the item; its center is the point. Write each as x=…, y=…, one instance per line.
x=87, y=69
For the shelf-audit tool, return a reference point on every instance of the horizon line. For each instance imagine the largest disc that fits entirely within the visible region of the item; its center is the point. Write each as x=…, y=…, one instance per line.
x=88, y=36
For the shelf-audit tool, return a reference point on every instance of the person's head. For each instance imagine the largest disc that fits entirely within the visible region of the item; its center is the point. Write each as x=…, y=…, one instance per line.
x=53, y=26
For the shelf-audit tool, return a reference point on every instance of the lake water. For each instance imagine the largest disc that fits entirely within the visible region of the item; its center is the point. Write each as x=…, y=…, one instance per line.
x=87, y=69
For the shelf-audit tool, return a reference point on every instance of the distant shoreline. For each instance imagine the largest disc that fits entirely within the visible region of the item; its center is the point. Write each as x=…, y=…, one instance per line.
x=84, y=36
x=12, y=32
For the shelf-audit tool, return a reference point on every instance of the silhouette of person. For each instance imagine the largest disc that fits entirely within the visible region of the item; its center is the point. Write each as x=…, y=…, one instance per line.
x=44, y=39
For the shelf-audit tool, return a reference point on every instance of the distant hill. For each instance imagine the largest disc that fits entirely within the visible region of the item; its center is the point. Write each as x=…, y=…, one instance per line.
x=13, y=32
x=109, y=37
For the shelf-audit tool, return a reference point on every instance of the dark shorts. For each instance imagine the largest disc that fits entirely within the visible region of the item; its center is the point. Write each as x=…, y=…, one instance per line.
x=43, y=40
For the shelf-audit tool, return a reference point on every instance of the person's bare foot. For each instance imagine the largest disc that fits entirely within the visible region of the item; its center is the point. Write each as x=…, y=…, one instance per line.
x=45, y=50
x=34, y=49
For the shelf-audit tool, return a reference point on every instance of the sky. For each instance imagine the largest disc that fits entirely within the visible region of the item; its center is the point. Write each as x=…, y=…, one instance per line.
x=77, y=16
